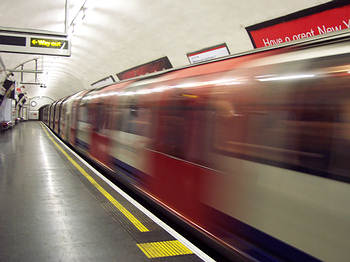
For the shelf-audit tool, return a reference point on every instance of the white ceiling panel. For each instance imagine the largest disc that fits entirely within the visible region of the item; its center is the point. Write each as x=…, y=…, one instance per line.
x=118, y=34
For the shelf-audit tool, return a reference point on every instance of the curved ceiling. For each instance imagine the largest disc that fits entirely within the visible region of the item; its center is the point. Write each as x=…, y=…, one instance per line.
x=119, y=34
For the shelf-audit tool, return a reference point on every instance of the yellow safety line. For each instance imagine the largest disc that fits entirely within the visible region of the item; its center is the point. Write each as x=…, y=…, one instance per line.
x=164, y=249
x=119, y=206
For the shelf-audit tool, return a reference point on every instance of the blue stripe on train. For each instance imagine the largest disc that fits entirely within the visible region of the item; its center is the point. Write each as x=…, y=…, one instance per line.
x=254, y=242
x=82, y=144
x=131, y=172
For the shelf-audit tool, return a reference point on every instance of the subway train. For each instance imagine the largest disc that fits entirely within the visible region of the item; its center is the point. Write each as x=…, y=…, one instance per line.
x=252, y=151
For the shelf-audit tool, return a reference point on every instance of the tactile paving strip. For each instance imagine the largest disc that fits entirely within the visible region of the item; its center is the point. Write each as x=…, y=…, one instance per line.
x=153, y=241
x=164, y=249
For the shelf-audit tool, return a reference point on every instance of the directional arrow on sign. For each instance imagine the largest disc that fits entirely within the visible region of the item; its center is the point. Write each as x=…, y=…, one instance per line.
x=34, y=42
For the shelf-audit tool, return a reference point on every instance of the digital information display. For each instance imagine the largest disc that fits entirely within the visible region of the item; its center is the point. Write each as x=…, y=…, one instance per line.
x=12, y=40
x=49, y=43
x=150, y=67
x=24, y=43
x=208, y=53
x=318, y=20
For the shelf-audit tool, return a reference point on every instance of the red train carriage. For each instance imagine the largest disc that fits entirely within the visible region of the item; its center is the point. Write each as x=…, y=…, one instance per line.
x=252, y=151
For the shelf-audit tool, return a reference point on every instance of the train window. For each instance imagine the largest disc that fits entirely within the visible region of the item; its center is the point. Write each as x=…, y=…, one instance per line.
x=102, y=118
x=299, y=138
x=118, y=115
x=83, y=115
x=109, y=119
x=63, y=113
x=137, y=121
x=57, y=111
x=299, y=124
x=182, y=132
x=133, y=119
x=172, y=132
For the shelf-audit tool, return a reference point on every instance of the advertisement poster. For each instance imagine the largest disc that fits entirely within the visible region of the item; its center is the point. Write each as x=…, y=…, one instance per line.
x=319, y=20
x=208, y=53
x=150, y=67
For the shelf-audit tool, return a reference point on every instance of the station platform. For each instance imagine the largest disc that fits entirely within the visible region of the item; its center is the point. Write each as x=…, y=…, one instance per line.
x=54, y=207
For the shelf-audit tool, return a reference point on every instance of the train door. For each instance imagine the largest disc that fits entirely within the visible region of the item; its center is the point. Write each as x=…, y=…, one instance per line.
x=63, y=123
x=52, y=119
x=57, y=118
x=74, y=116
x=177, y=156
x=67, y=114
x=50, y=115
x=83, y=128
x=57, y=115
x=60, y=116
x=99, y=134
x=45, y=112
x=73, y=123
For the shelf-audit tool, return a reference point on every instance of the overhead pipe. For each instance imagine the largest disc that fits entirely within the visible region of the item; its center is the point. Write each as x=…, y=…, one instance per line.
x=66, y=13
x=25, y=71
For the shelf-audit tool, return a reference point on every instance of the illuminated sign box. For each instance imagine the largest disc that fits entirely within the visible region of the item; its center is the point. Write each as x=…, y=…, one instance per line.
x=318, y=20
x=49, y=43
x=208, y=53
x=150, y=67
x=24, y=43
x=103, y=82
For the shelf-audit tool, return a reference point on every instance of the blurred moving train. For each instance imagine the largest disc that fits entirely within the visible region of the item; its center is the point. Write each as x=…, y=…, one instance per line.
x=253, y=150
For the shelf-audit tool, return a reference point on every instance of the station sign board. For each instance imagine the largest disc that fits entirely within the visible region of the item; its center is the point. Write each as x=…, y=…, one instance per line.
x=208, y=53
x=318, y=20
x=150, y=67
x=34, y=44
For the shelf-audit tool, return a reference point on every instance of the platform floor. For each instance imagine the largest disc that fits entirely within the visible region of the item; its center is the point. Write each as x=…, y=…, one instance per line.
x=51, y=212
